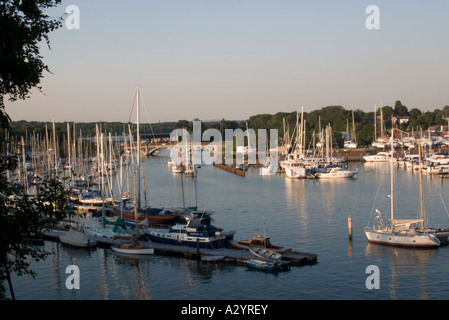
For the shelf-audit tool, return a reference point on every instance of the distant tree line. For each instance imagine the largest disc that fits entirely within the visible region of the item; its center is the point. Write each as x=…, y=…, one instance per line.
x=335, y=116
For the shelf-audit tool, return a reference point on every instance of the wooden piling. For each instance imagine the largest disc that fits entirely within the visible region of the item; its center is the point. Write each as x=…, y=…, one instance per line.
x=350, y=227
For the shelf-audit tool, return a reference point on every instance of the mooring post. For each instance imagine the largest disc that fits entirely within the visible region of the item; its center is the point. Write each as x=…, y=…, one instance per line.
x=350, y=227
x=198, y=249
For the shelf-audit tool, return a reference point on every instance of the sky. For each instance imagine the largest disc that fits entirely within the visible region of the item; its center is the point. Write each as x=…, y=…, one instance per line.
x=231, y=59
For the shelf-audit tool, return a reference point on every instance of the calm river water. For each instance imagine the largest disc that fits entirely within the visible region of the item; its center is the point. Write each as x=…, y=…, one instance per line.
x=306, y=215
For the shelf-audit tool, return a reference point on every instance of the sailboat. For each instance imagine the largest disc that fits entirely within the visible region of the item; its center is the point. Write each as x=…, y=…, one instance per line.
x=350, y=140
x=293, y=165
x=401, y=232
x=441, y=233
x=134, y=247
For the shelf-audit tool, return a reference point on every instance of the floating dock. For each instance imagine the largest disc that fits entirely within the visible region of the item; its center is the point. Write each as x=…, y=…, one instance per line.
x=221, y=254
x=230, y=169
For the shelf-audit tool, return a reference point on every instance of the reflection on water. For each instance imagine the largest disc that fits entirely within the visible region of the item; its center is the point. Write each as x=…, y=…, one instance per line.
x=408, y=268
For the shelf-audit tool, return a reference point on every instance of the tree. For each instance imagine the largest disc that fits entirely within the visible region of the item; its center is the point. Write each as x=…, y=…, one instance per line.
x=23, y=25
x=445, y=111
x=400, y=110
x=22, y=218
x=415, y=113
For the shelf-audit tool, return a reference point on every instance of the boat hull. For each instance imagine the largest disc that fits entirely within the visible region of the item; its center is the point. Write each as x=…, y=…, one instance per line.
x=389, y=238
x=337, y=174
x=77, y=239
x=196, y=233
x=263, y=265
x=206, y=243
x=133, y=249
x=107, y=232
x=296, y=172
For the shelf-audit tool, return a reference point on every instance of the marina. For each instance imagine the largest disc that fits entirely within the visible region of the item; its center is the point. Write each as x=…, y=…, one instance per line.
x=211, y=157
x=143, y=205
x=293, y=216
x=194, y=251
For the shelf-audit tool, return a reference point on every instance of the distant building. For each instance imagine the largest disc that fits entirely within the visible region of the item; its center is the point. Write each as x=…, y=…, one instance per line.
x=401, y=119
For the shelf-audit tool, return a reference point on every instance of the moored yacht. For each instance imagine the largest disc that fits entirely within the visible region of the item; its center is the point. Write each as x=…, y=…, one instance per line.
x=378, y=157
x=197, y=231
x=400, y=232
x=336, y=172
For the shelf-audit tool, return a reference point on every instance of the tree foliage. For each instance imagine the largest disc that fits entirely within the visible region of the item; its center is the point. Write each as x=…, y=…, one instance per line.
x=23, y=26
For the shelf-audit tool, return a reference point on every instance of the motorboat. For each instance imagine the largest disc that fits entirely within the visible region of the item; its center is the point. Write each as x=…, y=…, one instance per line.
x=258, y=242
x=378, y=157
x=336, y=172
x=197, y=232
x=264, y=265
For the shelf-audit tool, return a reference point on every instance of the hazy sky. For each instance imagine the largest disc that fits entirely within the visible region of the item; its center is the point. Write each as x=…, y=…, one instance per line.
x=231, y=59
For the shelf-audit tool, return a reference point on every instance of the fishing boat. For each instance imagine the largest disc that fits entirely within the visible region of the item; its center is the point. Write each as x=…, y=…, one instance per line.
x=401, y=232
x=197, y=232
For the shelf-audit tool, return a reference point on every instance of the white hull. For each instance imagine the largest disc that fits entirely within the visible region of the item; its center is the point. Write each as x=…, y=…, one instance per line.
x=77, y=239
x=268, y=171
x=296, y=172
x=335, y=173
x=106, y=232
x=390, y=238
x=131, y=250
x=374, y=158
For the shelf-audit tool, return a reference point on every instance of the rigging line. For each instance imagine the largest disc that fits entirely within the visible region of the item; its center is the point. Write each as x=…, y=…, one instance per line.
x=444, y=204
x=132, y=108
x=375, y=199
x=149, y=122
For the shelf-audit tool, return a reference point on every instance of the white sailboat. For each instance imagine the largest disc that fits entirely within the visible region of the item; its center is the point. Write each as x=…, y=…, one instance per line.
x=441, y=233
x=294, y=164
x=401, y=232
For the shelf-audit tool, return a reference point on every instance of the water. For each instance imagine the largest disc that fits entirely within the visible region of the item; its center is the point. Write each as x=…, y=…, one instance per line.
x=306, y=215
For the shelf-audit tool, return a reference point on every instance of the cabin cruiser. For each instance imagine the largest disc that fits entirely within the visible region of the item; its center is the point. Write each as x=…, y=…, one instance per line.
x=197, y=232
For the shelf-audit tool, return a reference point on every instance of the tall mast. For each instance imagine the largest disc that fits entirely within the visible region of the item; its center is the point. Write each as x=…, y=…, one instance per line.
x=420, y=186
x=353, y=128
x=54, y=149
x=392, y=180
x=375, y=123
x=138, y=149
